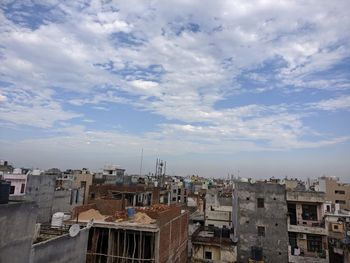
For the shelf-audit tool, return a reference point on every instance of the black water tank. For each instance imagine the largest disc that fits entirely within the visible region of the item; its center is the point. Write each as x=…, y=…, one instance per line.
x=225, y=232
x=256, y=253
x=4, y=191
x=217, y=232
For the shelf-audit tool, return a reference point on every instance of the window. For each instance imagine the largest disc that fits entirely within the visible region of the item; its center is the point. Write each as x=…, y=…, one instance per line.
x=22, y=188
x=260, y=202
x=207, y=255
x=314, y=243
x=342, y=202
x=340, y=192
x=174, y=199
x=309, y=212
x=12, y=189
x=261, y=231
x=174, y=191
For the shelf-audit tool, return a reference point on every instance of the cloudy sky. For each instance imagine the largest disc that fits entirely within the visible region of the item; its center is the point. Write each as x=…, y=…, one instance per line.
x=212, y=87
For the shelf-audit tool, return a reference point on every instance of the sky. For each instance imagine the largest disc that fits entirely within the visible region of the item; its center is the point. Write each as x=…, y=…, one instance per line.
x=250, y=88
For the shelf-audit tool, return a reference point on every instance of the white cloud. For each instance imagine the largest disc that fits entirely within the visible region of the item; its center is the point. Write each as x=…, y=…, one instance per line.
x=82, y=55
x=340, y=103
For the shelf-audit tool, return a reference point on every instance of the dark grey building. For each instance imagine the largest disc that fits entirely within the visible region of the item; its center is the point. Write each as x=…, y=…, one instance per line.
x=41, y=189
x=17, y=225
x=260, y=219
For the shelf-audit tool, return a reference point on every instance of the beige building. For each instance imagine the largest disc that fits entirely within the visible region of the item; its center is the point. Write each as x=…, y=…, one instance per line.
x=336, y=192
x=83, y=181
x=306, y=228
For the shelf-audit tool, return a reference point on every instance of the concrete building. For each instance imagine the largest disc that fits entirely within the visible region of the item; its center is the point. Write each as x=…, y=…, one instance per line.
x=22, y=241
x=306, y=227
x=17, y=224
x=5, y=167
x=83, y=181
x=218, y=209
x=338, y=224
x=41, y=189
x=178, y=193
x=336, y=192
x=18, y=179
x=214, y=245
x=154, y=234
x=260, y=220
x=113, y=174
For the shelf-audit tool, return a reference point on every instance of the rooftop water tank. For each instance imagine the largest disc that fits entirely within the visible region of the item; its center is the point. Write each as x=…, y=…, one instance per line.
x=4, y=191
x=57, y=219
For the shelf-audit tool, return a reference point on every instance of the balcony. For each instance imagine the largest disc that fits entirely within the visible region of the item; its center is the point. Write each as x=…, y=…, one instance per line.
x=308, y=257
x=306, y=196
x=317, y=230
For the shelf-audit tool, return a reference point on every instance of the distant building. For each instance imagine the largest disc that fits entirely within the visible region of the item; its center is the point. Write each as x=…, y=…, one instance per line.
x=218, y=209
x=260, y=221
x=336, y=192
x=338, y=224
x=306, y=227
x=18, y=179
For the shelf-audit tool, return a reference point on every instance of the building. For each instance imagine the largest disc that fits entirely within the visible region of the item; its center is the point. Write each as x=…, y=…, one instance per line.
x=214, y=245
x=41, y=189
x=336, y=192
x=260, y=221
x=154, y=234
x=17, y=224
x=18, y=179
x=113, y=174
x=218, y=209
x=306, y=227
x=338, y=224
x=83, y=181
x=23, y=241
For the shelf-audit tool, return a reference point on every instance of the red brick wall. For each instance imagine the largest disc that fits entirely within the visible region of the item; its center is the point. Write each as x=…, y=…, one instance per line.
x=173, y=239
x=108, y=206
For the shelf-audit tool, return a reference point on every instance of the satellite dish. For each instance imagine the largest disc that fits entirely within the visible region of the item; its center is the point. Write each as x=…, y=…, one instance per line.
x=282, y=182
x=252, y=181
x=90, y=223
x=74, y=230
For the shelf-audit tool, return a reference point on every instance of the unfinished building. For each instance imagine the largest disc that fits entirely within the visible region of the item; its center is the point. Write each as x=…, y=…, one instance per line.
x=133, y=195
x=154, y=234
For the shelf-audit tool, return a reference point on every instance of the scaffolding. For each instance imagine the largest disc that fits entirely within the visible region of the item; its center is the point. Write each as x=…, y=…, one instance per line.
x=107, y=245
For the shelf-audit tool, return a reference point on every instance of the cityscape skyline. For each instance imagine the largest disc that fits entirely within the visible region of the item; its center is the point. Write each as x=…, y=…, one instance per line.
x=211, y=87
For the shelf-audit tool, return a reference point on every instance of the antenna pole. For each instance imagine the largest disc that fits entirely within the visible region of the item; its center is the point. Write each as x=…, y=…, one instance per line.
x=141, y=162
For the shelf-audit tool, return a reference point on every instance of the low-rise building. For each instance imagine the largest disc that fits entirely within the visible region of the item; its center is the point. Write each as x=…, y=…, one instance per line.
x=336, y=192
x=306, y=227
x=18, y=180
x=338, y=224
x=210, y=244
x=154, y=234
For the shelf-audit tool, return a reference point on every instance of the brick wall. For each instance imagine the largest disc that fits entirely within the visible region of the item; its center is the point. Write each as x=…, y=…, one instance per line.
x=173, y=237
x=108, y=206
x=78, y=209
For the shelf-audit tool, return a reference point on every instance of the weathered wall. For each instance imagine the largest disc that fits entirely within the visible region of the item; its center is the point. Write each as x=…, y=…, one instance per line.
x=65, y=200
x=273, y=217
x=62, y=249
x=17, y=224
x=41, y=188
